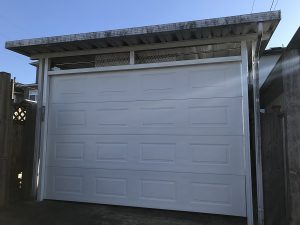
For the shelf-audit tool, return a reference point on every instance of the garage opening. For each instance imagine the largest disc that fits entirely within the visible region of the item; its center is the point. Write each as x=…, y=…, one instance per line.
x=169, y=138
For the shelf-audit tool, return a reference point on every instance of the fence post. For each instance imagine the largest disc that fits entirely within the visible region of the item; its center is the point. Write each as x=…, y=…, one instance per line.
x=5, y=124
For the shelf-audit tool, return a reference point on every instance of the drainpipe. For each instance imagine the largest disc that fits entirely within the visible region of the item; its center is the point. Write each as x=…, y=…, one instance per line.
x=257, y=132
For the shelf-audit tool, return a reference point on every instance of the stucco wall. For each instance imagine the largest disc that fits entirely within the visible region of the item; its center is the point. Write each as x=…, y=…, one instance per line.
x=291, y=85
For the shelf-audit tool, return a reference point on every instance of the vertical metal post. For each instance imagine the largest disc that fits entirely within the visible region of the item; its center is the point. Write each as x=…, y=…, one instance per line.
x=132, y=58
x=13, y=89
x=36, y=175
x=257, y=132
x=43, y=133
x=245, y=75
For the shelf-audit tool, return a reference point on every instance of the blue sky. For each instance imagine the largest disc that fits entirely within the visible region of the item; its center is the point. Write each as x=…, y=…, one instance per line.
x=20, y=19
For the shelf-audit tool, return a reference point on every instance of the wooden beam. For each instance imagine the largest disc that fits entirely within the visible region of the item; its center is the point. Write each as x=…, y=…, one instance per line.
x=172, y=44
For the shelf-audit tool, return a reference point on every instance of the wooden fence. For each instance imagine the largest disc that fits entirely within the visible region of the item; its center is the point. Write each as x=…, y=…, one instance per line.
x=17, y=127
x=273, y=162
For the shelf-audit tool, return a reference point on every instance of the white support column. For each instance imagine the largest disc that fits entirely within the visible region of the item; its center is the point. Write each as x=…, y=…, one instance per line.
x=132, y=55
x=36, y=175
x=245, y=75
x=257, y=133
x=43, y=127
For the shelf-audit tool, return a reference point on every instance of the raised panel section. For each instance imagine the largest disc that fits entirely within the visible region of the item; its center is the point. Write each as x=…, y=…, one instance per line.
x=111, y=187
x=66, y=118
x=162, y=116
x=108, y=84
x=69, y=150
x=158, y=190
x=114, y=117
x=210, y=153
x=191, y=154
x=68, y=184
x=211, y=193
x=112, y=151
x=196, y=192
x=157, y=82
x=207, y=78
x=71, y=86
x=68, y=89
x=218, y=191
x=172, y=117
x=218, y=80
x=216, y=116
x=158, y=152
x=205, y=116
x=188, y=82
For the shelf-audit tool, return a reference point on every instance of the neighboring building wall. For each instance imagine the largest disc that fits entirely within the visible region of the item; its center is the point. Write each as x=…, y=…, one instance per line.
x=281, y=92
x=291, y=86
x=32, y=94
x=25, y=91
x=274, y=184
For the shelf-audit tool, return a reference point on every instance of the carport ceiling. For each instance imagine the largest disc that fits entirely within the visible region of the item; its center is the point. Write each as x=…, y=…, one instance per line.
x=199, y=29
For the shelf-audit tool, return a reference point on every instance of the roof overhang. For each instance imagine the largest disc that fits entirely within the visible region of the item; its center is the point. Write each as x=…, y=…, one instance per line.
x=226, y=27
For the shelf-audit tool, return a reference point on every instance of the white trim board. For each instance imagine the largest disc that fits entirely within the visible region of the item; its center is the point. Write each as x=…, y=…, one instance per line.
x=244, y=71
x=44, y=129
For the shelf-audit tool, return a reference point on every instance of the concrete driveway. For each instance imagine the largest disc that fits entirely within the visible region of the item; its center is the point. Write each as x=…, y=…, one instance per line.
x=69, y=213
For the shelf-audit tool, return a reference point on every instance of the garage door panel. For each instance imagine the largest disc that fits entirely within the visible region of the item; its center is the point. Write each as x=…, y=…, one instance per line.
x=110, y=85
x=66, y=118
x=69, y=150
x=189, y=192
x=151, y=83
x=68, y=184
x=69, y=89
x=208, y=154
x=198, y=116
x=202, y=81
x=112, y=152
x=169, y=138
x=223, y=191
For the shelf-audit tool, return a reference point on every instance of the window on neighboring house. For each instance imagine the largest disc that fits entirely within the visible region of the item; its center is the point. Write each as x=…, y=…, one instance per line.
x=32, y=95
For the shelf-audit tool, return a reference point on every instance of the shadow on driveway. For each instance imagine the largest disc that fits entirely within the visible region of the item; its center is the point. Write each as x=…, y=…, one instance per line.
x=70, y=213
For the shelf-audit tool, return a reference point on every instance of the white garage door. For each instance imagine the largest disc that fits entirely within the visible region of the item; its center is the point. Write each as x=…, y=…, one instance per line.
x=169, y=138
